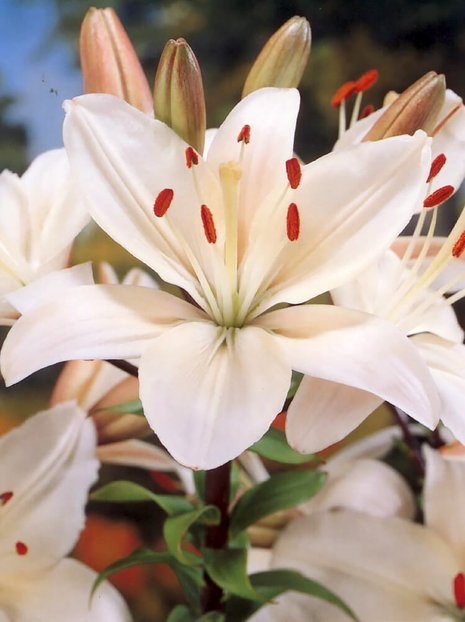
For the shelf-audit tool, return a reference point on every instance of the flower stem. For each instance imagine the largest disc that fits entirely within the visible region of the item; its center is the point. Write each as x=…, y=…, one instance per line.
x=410, y=440
x=125, y=366
x=217, y=489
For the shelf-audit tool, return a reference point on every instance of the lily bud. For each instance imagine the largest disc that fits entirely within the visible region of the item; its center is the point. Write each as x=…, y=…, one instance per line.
x=283, y=58
x=417, y=108
x=178, y=93
x=109, y=62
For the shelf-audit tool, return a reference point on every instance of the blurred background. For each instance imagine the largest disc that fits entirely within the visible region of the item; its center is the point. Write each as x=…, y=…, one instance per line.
x=39, y=68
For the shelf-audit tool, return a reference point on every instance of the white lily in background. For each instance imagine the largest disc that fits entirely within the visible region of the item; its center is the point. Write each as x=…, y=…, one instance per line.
x=241, y=232
x=39, y=219
x=48, y=466
x=386, y=569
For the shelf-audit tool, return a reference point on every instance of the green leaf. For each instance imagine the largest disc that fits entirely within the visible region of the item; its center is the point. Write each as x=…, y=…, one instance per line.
x=275, y=582
x=175, y=529
x=274, y=447
x=180, y=613
x=279, y=492
x=199, y=481
x=134, y=407
x=124, y=491
x=212, y=616
x=295, y=383
x=228, y=569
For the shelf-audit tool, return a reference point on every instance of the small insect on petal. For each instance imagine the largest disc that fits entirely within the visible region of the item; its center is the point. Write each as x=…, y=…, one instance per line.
x=21, y=548
x=342, y=93
x=192, y=157
x=294, y=172
x=293, y=222
x=244, y=135
x=438, y=196
x=366, y=81
x=162, y=202
x=459, y=590
x=459, y=246
x=208, y=224
x=367, y=110
x=436, y=166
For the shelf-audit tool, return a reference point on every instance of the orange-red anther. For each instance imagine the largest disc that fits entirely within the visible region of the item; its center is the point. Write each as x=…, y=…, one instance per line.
x=5, y=497
x=208, y=224
x=293, y=222
x=436, y=166
x=459, y=590
x=244, y=135
x=459, y=246
x=21, y=548
x=294, y=172
x=366, y=111
x=162, y=202
x=438, y=196
x=366, y=81
x=192, y=157
x=342, y=93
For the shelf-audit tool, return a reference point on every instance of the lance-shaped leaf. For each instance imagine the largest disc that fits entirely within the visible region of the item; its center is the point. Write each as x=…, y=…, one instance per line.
x=228, y=569
x=133, y=407
x=275, y=447
x=176, y=528
x=279, y=492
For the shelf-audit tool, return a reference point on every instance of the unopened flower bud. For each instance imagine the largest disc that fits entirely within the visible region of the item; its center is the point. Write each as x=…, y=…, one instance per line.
x=283, y=58
x=178, y=93
x=417, y=108
x=109, y=62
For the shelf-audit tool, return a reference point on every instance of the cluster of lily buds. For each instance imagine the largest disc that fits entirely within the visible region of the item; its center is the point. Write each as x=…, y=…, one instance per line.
x=110, y=65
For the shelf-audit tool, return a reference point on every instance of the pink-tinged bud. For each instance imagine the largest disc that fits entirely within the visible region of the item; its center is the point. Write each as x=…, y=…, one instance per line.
x=109, y=62
x=178, y=95
x=283, y=58
x=417, y=108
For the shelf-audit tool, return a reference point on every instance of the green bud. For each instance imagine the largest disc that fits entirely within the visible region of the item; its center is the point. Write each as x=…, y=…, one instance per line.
x=178, y=93
x=283, y=57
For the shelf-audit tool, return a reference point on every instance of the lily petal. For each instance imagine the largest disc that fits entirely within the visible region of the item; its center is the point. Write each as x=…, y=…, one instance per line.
x=234, y=381
x=49, y=465
x=108, y=322
x=357, y=350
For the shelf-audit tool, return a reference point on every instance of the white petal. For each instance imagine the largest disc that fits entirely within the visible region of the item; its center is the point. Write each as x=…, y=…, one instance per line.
x=48, y=464
x=358, y=350
x=446, y=361
x=324, y=412
x=210, y=392
x=382, y=568
x=62, y=593
x=363, y=485
x=444, y=499
x=355, y=134
x=108, y=322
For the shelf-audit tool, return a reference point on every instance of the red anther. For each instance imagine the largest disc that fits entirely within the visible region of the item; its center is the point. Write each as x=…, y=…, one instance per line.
x=459, y=590
x=366, y=111
x=164, y=481
x=192, y=157
x=293, y=222
x=244, y=135
x=162, y=202
x=436, y=166
x=366, y=81
x=342, y=93
x=21, y=548
x=5, y=497
x=208, y=224
x=438, y=196
x=459, y=246
x=294, y=172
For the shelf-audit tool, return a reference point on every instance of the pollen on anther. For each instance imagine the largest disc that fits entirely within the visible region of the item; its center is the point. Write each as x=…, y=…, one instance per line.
x=459, y=246
x=342, y=93
x=294, y=172
x=293, y=222
x=5, y=497
x=366, y=81
x=21, y=548
x=208, y=224
x=438, y=196
x=162, y=202
x=459, y=590
x=436, y=166
x=192, y=157
x=244, y=135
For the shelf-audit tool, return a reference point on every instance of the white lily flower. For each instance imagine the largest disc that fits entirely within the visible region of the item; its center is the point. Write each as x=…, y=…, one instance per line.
x=48, y=466
x=40, y=217
x=386, y=569
x=241, y=232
